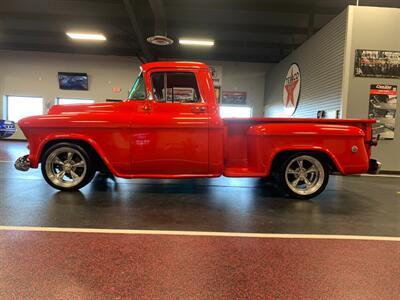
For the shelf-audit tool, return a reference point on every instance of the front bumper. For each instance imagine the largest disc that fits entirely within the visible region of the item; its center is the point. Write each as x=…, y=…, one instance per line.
x=22, y=163
x=374, y=166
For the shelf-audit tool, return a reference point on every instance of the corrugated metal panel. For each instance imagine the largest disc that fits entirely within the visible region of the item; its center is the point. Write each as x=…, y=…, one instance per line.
x=321, y=64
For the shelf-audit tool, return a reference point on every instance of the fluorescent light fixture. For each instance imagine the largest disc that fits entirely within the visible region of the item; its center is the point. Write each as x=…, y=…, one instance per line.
x=207, y=43
x=86, y=36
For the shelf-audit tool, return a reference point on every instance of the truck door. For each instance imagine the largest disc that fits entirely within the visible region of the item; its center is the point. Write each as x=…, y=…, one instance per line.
x=172, y=137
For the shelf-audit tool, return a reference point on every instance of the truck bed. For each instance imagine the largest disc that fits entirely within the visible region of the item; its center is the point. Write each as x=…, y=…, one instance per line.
x=297, y=120
x=239, y=144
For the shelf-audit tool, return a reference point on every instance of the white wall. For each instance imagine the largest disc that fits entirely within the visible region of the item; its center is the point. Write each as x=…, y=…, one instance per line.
x=247, y=77
x=35, y=74
x=320, y=60
x=373, y=28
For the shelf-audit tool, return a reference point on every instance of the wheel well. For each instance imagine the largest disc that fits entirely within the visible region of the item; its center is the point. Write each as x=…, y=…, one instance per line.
x=100, y=165
x=281, y=156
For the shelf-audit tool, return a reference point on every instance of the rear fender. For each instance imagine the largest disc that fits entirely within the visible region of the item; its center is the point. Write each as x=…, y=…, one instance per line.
x=266, y=141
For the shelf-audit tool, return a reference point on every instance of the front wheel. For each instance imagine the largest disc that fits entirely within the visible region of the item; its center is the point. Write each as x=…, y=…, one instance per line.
x=67, y=167
x=303, y=176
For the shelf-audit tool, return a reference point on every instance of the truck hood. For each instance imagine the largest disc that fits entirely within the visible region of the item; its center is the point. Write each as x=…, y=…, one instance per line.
x=80, y=108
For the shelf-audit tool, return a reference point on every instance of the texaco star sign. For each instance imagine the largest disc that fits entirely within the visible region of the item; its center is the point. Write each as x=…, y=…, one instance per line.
x=291, y=89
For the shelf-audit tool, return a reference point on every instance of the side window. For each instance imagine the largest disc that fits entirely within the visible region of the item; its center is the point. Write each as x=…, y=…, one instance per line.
x=175, y=87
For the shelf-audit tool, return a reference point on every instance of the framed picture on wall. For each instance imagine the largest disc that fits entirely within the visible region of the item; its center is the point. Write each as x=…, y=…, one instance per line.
x=73, y=81
x=382, y=107
x=377, y=63
x=233, y=97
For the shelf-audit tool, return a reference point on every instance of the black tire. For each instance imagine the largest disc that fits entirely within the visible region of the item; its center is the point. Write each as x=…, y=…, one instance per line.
x=286, y=179
x=87, y=175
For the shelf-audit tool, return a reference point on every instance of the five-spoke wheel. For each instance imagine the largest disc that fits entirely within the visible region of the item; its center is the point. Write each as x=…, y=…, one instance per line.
x=67, y=166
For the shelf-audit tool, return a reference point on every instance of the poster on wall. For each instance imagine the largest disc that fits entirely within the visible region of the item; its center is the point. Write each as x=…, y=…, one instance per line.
x=233, y=97
x=382, y=107
x=377, y=63
x=291, y=89
x=216, y=73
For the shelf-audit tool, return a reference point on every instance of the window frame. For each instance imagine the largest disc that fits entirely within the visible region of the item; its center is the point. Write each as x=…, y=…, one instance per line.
x=6, y=105
x=195, y=74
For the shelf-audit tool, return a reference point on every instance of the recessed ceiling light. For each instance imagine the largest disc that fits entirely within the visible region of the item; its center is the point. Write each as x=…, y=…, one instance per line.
x=86, y=36
x=207, y=43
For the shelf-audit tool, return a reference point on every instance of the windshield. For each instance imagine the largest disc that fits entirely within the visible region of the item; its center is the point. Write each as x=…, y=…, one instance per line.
x=138, y=91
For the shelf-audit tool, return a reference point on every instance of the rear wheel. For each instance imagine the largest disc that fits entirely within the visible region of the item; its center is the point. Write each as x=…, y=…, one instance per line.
x=303, y=176
x=67, y=167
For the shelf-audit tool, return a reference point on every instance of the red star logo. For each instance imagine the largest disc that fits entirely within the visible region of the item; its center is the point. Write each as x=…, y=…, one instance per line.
x=290, y=91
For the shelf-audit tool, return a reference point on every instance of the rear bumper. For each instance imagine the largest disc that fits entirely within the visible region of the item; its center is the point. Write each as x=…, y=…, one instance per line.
x=374, y=166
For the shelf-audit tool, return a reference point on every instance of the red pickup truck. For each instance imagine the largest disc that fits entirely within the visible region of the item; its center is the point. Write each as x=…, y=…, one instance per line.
x=170, y=127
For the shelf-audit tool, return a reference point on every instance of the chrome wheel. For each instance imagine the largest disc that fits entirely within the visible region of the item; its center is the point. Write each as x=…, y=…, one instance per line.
x=304, y=175
x=66, y=167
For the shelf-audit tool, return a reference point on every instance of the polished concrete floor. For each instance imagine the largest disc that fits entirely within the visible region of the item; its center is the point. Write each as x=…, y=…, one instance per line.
x=38, y=264
x=349, y=205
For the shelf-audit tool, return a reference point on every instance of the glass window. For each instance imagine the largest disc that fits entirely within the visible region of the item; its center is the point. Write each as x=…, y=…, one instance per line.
x=20, y=107
x=74, y=101
x=235, y=111
x=138, y=91
x=175, y=87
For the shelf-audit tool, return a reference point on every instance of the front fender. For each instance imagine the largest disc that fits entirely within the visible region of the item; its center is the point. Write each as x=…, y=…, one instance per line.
x=36, y=150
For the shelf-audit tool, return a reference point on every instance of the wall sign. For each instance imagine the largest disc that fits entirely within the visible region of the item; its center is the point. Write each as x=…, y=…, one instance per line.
x=233, y=97
x=382, y=107
x=377, y=63
x=291, y=89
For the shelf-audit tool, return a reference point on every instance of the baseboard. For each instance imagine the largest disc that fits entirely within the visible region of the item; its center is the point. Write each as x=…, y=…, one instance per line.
x=390, y=172
x=13, y=140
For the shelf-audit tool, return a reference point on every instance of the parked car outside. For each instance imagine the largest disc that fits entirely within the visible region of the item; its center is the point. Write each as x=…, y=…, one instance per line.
x=7, y=128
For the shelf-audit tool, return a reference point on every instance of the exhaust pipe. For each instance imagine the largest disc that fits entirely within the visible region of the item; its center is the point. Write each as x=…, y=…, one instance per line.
x=374, y=166
x=22, y=163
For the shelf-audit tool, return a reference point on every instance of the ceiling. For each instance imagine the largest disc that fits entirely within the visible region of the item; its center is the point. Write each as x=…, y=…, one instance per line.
x=246, y=30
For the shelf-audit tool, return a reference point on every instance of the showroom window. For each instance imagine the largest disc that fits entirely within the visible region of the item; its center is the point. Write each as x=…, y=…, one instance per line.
x=18, y=107
x=73, y=101
x=175, y=87
x=235, y=111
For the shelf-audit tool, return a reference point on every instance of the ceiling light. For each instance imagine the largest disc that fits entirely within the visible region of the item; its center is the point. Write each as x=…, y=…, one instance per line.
x=86, y=36
x=160, y=40
x=207, y=43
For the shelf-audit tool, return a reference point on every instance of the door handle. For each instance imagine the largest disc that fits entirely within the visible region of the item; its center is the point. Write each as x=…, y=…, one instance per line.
x=199, y=109
x=146, y=107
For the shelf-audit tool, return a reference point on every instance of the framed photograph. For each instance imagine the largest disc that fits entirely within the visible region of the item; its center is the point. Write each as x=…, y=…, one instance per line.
x=233, y=97
x=377, y=63
x=73, y=81
x=382, y=107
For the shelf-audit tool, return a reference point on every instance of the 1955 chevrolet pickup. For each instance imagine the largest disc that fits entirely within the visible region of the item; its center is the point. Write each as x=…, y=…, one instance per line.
x=170, y=127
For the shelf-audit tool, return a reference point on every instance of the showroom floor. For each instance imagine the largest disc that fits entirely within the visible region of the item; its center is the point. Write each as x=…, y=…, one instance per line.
x=198, y=239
